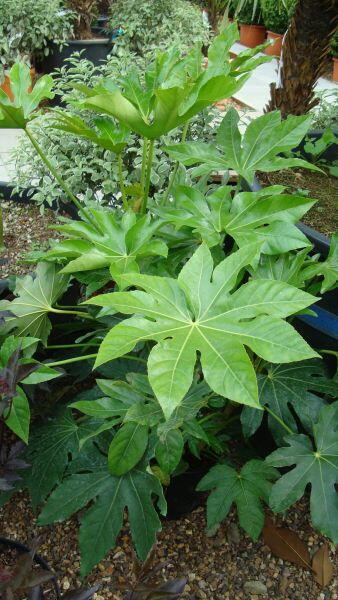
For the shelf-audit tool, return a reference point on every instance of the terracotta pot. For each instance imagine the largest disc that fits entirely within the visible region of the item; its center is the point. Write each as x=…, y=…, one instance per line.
x=252, y=35
x=276, y=48
x=335, y=70
x=5, y=86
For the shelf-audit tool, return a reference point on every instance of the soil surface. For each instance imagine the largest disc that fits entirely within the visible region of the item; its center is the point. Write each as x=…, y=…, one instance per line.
x=25, y=229
x=218, y=567
x=323, y=216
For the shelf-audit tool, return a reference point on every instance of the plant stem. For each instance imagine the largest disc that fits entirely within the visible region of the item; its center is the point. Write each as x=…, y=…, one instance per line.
x=174, y=173
x=121, y=180
x=279, y=420
x=58, y=177
x=70, y=360
x=144, y=163
x=60, y=346
x=70, y=312
x=148, y=174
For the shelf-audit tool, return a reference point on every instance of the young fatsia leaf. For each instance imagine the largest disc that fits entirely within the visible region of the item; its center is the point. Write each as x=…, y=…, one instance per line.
x=258, y=149
x=284, y=386
x=16, y=114
x=317, y=467
x=115, y=241
x=200, y=312
x=35, y=299
x=246, y=489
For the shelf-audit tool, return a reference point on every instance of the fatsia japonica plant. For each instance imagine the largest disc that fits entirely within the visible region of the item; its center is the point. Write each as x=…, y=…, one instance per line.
x=177, y=312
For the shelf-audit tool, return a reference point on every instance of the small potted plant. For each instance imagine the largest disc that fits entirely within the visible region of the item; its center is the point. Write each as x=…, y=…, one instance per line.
x=252, y=30
x=276, y=20
x=26, y=29
x=94, y=45
x=335, y=57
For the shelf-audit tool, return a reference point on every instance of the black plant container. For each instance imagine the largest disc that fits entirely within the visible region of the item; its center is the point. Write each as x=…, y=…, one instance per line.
x=21, y=548
x=6, y=190
x=331, y=152
x=95, y=50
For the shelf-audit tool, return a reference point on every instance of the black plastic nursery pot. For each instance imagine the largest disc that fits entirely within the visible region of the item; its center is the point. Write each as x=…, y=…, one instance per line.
x=331, y=152
x=6, y=543
x=6, y=192
x=95, y=50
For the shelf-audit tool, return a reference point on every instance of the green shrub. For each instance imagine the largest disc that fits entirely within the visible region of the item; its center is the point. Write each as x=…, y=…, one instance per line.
x=276, y=18
x=27, y=26
x=149, y=26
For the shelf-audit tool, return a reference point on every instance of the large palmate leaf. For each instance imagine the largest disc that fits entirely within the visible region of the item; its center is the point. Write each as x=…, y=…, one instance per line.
x=16, y=114
x=174, y=89
x=247, y=489
x=267, y=216
x=35, y=295
x=198, y=312
x=106, y=135
x=102, y=522
x=48, y=453
x=288, y=388
x=258, y=149
x=35, y=298
x=318, y=467
x=114, y=241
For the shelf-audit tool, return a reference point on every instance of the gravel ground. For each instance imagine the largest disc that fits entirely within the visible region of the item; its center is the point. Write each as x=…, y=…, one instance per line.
x=24, y=229
x=227, y=565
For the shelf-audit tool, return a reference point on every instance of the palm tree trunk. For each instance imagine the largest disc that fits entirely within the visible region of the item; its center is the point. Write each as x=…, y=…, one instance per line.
x=305, y=55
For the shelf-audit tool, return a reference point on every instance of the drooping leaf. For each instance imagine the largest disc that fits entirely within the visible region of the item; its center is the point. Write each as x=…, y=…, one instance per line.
x=198, y=312
x=127, y=448
x=268, y=216
x=258, y=149
x=169, y=450
x=318, y=467
x=282, y=387
x=17, y=416
x=118, y=242
x=286, y=544
x=16, y=114
x=247, y=489
x=322, y=565
x=35, y=299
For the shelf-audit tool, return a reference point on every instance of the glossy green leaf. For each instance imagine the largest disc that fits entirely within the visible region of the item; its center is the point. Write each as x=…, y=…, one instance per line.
x=16, y=114
x=247, y=489
x=258, y=149
x=18, y=416
x=315, y=465
x=34, y=300
x=42, y=373
x=169, y=451
x=127, y=448
x=328, y=268
x=174, y=89
x=198, y=312
x=116, y=241
x=288, y=389
x=268, y=216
